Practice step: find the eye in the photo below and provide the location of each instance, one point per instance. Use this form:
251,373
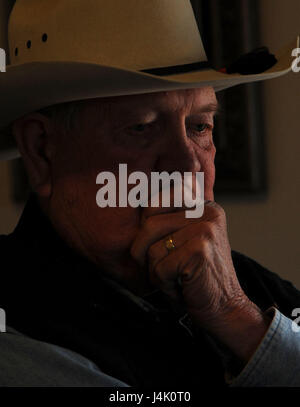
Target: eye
201,127
139,128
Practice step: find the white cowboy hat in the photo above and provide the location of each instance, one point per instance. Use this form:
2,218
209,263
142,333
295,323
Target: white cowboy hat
66,50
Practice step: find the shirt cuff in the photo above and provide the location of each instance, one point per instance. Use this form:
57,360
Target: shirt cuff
276,361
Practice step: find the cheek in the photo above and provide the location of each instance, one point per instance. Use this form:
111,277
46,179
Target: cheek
208,167
101,230
73,202
110,230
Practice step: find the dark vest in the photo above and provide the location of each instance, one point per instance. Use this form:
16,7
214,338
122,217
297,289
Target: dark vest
52,294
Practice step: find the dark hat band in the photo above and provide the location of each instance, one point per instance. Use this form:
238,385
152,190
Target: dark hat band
178,69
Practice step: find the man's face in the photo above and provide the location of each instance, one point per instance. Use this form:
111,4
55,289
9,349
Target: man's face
169,131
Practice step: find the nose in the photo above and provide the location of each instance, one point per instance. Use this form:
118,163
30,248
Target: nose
178,152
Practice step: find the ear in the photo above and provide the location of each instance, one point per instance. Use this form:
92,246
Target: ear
33,136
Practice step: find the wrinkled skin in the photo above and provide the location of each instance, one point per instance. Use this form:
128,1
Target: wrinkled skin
169,131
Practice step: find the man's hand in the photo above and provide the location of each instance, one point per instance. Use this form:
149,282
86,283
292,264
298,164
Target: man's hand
201,261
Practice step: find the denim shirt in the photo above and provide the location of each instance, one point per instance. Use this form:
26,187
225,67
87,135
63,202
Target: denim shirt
276,361
25,362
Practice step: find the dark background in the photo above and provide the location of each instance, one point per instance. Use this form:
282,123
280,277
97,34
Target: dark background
229,29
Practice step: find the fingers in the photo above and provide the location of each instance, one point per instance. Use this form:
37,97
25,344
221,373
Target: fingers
160,209
184,262
158,227
154,229
158,250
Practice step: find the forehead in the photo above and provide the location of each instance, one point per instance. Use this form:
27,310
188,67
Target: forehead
191,99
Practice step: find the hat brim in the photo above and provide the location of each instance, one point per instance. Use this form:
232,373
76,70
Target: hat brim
29,87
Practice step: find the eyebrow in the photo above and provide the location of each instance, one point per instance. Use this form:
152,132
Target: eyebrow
213,107
210,108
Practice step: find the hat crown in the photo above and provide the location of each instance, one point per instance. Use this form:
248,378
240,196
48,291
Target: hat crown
132,34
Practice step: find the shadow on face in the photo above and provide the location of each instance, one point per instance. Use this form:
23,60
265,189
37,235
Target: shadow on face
168,131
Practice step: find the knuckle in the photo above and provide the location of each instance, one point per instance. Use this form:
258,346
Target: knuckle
197,247
187,272
207,231
201,246
195,256
210,231
219,209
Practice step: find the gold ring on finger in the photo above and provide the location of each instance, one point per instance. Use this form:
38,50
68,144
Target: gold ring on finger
169,243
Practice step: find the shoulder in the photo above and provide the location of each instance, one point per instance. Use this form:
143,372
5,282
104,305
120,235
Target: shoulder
25,362
264,287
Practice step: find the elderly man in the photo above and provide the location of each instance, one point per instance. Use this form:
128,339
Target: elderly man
124,295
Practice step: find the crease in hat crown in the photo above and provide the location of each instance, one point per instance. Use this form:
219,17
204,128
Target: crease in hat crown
132,34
